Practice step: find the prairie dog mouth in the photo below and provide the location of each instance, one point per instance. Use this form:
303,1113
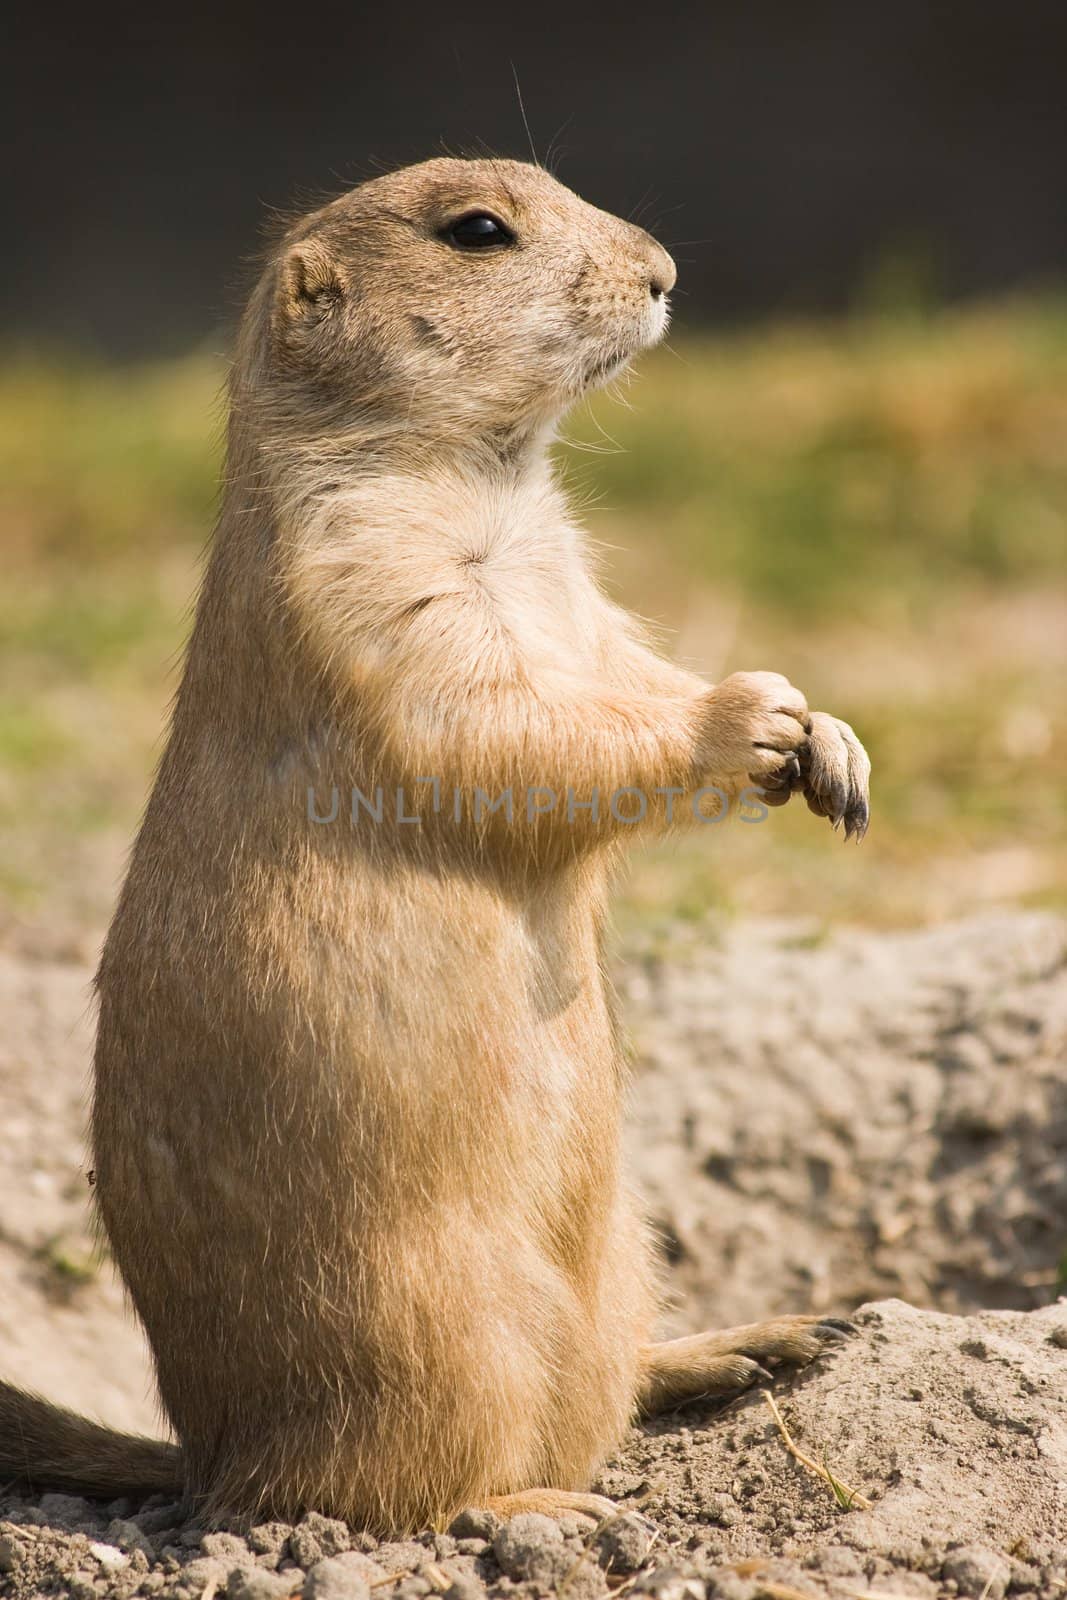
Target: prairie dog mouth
604,368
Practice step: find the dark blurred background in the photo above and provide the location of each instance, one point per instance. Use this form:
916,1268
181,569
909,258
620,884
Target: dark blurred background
797,157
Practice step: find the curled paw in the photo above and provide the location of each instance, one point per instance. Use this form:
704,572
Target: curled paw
835,774
755,732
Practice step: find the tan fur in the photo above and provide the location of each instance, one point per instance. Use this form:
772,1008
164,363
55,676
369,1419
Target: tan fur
357,1095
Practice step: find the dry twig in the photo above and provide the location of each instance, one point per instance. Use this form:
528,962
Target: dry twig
848,1499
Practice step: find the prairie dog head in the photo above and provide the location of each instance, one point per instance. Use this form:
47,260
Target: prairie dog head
459,300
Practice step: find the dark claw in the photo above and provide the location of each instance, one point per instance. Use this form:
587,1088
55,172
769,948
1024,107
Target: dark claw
857,818
832,803
836,1327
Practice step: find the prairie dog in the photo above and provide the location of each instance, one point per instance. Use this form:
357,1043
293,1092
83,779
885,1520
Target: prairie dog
357,1089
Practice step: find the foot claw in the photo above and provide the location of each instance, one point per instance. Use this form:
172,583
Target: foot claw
840,1325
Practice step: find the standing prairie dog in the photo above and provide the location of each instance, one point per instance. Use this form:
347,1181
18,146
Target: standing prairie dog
357,1088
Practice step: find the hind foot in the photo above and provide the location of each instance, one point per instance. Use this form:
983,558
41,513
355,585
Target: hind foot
551,1503
727,1363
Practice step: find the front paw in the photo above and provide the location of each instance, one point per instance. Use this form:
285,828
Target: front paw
836,775
755,732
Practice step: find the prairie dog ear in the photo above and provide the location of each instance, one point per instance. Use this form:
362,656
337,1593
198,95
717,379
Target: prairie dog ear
311,282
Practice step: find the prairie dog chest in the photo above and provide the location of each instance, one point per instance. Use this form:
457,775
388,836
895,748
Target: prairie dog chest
525,561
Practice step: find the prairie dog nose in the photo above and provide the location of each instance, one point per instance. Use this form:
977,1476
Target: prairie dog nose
662,273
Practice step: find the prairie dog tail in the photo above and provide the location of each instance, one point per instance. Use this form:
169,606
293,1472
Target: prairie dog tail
43,1446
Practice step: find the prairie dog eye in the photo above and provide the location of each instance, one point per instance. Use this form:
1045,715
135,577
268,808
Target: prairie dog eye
477,231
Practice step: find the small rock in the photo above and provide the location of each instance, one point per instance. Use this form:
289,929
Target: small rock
108,1555
977,1571
531,1547
722,1509
316,1537
128,1536
837,1562
668,1583
400,1555
203,1573
10,1553
625,1542
226,1547
465,1587
471,1547
336,1578
475,1524
66,1510
255,1583
155,1519
727,1585
372,1572
268,1537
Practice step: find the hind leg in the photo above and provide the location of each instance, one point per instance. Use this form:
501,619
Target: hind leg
727,1363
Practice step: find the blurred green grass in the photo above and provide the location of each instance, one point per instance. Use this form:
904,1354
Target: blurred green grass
876,507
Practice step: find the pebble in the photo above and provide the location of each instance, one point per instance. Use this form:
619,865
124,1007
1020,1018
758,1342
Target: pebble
402,1555
10,1553
625,1542
203,1573
669,1583
977,1571
268,1537
316,1537
128,1536
65,1510
108,1555
726,1585
475,1524
465,1587
226,1547
336,1578
722,1509
413,1588
256,1583
531,1547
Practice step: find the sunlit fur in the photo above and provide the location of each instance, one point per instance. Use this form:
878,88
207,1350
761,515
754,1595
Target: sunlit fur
357,1102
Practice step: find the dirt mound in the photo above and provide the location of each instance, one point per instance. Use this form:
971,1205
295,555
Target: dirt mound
946,1438
954,1430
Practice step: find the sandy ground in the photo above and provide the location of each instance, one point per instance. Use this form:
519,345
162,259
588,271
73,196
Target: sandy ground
816,1123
